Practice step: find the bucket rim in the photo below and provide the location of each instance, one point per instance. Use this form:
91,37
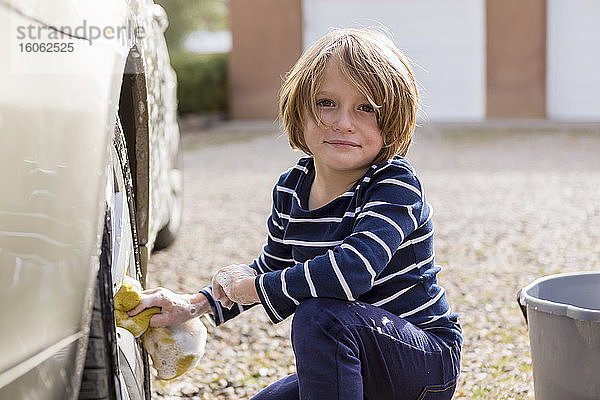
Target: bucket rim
562,309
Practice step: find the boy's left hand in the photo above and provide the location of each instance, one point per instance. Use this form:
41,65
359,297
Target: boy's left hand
235,284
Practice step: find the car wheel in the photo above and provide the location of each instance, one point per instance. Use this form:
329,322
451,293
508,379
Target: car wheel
116,365
166,236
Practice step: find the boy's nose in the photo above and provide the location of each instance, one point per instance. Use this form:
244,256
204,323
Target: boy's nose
343,122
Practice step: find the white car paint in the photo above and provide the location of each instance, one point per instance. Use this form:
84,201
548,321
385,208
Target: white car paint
57,119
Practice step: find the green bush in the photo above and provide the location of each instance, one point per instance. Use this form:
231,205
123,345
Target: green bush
202,82
187,16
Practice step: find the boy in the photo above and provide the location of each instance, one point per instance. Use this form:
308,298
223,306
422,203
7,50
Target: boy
350,245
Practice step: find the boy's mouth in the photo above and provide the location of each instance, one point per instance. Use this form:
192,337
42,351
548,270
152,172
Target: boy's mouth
342,143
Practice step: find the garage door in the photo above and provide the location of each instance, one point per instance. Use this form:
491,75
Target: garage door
573,60
444,39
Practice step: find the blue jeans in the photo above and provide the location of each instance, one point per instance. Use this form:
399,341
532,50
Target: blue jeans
353,350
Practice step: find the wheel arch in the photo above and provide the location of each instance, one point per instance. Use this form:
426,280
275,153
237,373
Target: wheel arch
134,116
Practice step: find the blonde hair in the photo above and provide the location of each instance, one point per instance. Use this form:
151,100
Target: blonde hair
371,61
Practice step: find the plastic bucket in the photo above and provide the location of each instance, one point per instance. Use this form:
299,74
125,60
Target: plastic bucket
563,314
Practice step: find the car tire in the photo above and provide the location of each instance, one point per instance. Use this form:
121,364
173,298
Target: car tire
100,371
166,236
107,374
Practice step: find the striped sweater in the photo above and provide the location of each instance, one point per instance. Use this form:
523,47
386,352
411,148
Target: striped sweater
373,243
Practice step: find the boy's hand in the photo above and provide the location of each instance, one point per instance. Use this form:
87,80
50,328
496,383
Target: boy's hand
235,284
175,308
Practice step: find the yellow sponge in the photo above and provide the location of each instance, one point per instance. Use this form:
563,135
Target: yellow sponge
174,349
127,298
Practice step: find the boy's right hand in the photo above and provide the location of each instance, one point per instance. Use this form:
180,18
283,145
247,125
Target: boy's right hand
235,284
175,308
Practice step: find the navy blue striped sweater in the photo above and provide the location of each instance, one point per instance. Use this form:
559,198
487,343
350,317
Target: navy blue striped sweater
373,243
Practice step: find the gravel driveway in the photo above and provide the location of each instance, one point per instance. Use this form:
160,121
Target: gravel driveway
510,205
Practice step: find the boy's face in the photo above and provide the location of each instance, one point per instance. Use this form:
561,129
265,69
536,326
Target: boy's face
352,139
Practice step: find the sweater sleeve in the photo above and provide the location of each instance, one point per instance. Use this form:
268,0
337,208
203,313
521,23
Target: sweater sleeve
391,209
219,313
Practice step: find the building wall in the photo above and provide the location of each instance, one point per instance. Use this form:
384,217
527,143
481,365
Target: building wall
516,58
266,42
444,39
574,60
474,59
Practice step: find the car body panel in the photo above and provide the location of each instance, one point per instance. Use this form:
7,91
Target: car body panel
49,216
57,118
50,376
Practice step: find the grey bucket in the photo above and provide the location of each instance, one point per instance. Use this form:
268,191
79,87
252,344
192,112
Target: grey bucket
563,314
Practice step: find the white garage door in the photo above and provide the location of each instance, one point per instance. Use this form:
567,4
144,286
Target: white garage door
445,39
574,60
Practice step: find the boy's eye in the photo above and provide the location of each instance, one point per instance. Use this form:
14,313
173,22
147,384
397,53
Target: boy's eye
366,108
325,103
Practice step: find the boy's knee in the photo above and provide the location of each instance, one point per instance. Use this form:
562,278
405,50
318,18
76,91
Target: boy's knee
319,325
313,320
319,314
314,309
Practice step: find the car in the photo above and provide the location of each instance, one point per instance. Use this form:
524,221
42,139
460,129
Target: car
91,174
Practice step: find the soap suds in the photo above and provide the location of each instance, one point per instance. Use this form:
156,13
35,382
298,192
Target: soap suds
175,349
